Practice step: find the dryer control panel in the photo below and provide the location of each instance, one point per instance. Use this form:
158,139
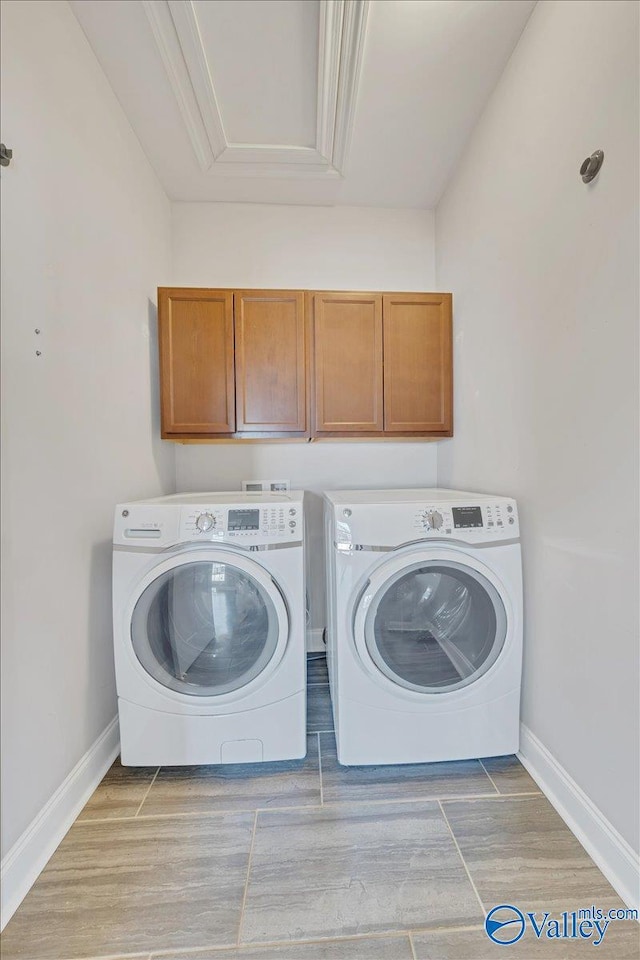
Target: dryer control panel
391,523
493,518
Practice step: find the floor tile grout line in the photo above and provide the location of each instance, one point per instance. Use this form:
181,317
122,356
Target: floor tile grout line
232,811
460,928
320,770
489,775
411,947
115,956
268,944
146,793
246,884
464,862
528,795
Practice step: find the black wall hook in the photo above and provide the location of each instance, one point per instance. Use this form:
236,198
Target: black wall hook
591,166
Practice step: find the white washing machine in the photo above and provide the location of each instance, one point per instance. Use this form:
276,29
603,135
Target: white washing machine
424,632
209,628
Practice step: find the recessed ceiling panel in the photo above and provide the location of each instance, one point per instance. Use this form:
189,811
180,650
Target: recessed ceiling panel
218,96
262,56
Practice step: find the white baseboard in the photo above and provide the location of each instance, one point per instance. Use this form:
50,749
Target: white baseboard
315,643
607,848
28,856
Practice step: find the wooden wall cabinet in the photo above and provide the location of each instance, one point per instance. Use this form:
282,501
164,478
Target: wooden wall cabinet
196,362
382,364
418,371
271,362
348,387
240,364
233,364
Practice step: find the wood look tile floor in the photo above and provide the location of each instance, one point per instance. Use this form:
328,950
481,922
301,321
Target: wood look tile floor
308,860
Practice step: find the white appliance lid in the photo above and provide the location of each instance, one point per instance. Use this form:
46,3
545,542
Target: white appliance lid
416,495
229,497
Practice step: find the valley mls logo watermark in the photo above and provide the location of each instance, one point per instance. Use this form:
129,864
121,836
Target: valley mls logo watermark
506,924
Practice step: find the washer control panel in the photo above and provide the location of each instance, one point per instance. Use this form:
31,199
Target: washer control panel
246,525
248,520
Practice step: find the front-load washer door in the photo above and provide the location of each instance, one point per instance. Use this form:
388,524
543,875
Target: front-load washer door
431,626
207,627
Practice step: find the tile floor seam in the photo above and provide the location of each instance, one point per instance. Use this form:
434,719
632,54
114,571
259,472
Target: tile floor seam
461,928
444,798
417,799
497,799
320,770
464,862
270,944
113,956
187,952
246,883
146,793
412,947
495,786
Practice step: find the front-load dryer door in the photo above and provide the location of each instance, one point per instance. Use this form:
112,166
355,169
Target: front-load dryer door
206,627
430,626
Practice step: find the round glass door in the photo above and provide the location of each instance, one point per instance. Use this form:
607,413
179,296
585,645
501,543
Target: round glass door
204,628
435,627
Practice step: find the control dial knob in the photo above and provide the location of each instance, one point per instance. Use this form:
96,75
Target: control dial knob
434,520
205,522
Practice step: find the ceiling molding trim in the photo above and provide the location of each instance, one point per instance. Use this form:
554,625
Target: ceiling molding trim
354,29
189,37
342,29
329,43
270,153
164,34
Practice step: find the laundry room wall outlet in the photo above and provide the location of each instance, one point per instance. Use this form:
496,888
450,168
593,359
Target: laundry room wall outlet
266,486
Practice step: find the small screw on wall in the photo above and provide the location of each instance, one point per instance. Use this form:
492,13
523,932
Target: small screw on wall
591,166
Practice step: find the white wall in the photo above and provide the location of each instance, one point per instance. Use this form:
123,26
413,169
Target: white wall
545,275
85,241
343,248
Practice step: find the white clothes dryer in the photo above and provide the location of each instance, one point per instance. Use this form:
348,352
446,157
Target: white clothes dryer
424,625
209,628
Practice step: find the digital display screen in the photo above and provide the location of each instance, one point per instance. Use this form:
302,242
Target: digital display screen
467,517
244,519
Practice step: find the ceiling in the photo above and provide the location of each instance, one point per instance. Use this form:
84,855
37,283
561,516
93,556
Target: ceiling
303,101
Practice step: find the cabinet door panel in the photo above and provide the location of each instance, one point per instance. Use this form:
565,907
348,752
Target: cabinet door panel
196,361
270,361
348,362
417,363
